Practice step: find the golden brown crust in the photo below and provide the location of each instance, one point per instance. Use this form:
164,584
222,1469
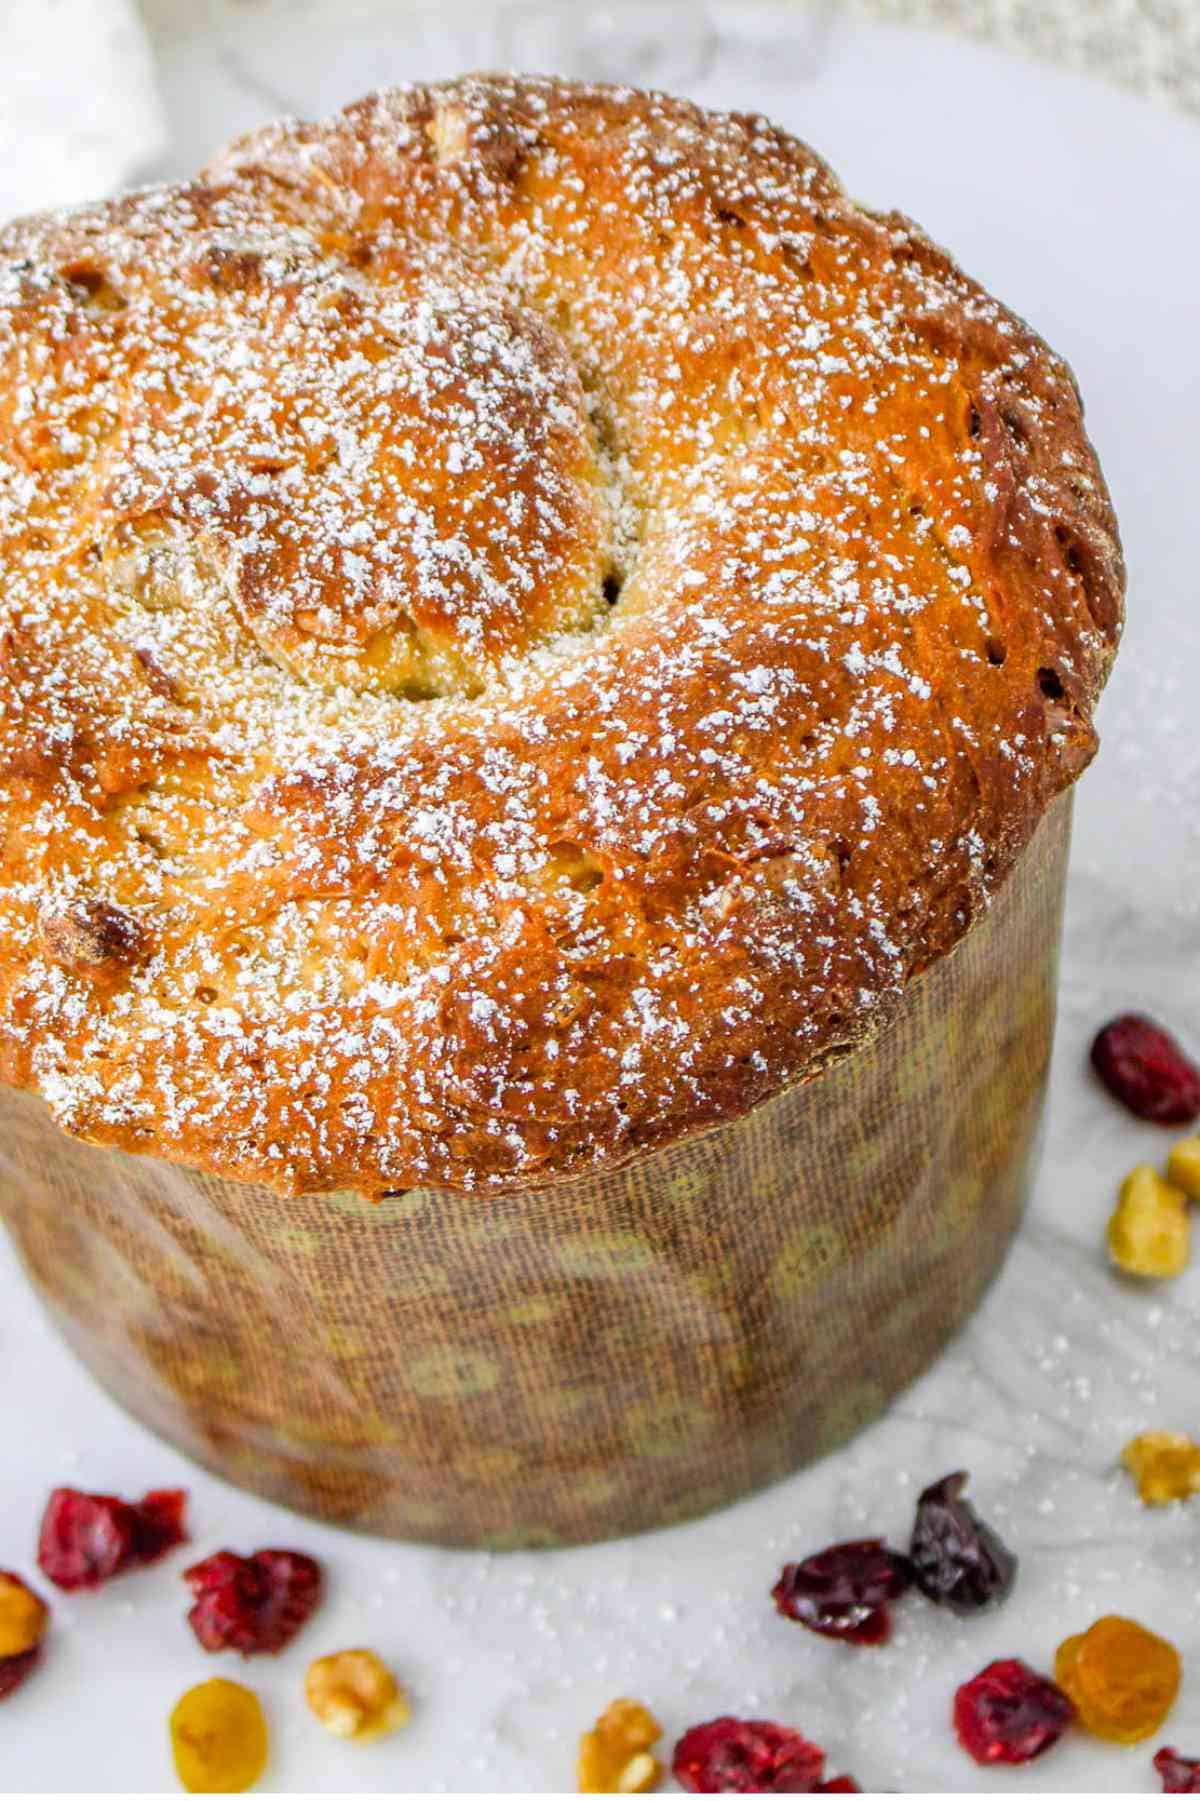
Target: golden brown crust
528,617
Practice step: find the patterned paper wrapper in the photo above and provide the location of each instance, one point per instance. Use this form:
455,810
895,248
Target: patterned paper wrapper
573,1362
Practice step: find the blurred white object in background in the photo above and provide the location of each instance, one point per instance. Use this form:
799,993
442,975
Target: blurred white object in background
1152,46
80,113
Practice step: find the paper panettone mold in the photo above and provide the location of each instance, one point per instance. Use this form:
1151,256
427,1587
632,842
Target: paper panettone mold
633,1348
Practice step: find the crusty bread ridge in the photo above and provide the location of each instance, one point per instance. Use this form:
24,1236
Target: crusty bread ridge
527,619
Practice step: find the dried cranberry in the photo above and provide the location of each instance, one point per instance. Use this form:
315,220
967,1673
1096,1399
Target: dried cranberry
746,1757
1142,1065
957,1560
159,1524
252,1604
1009,1714
839,1785
85,1540
13,1670
843,1592
1180,1775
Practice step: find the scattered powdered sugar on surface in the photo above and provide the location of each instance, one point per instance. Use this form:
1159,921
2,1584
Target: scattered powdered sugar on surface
527,617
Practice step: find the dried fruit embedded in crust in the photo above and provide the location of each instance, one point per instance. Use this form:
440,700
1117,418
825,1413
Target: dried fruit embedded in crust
957,1560
85,1540
1147,1070
1165,1466
1009,1714
219,1738
355,1696
844,1592
616,1756
499,485
746,1757
1121,1678
92,936
252,1604
1149,1234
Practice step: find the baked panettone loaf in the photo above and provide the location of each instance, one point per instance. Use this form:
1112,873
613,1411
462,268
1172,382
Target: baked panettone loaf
528,619
543,653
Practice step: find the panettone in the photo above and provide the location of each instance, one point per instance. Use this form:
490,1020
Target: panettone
532,628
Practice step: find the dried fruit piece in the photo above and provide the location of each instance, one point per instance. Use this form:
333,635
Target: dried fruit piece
1149,1234
840,1785
1122,1679
615,1757
1142,1065
1165,1466
23,1616
219,1738
86,1540
747,1757
1180,1775
1183,1167
92,934
355,1695
159,1523
13,1670
1009,1714
844,1592
956,1558
23,1620
252,1604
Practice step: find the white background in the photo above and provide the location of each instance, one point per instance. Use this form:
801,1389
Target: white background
1078,205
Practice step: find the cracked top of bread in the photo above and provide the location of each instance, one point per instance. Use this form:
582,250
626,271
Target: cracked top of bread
528,617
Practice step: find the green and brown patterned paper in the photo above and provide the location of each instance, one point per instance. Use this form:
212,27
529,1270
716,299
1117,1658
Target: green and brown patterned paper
593,1358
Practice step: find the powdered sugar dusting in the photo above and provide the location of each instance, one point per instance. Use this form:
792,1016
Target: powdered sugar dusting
540,613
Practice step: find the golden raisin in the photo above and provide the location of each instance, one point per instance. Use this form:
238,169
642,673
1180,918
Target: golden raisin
23,1616
354,1694
219,1738
1149,1234
1183,1167
1121,1678
1165,1466
615,1757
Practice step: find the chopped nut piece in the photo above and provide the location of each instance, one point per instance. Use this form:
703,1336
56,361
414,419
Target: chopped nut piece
1165,1466
1149,1234
639,1775
1183,1167
615,1756
355,1695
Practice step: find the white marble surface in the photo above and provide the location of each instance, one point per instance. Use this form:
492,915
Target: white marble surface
1077,205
